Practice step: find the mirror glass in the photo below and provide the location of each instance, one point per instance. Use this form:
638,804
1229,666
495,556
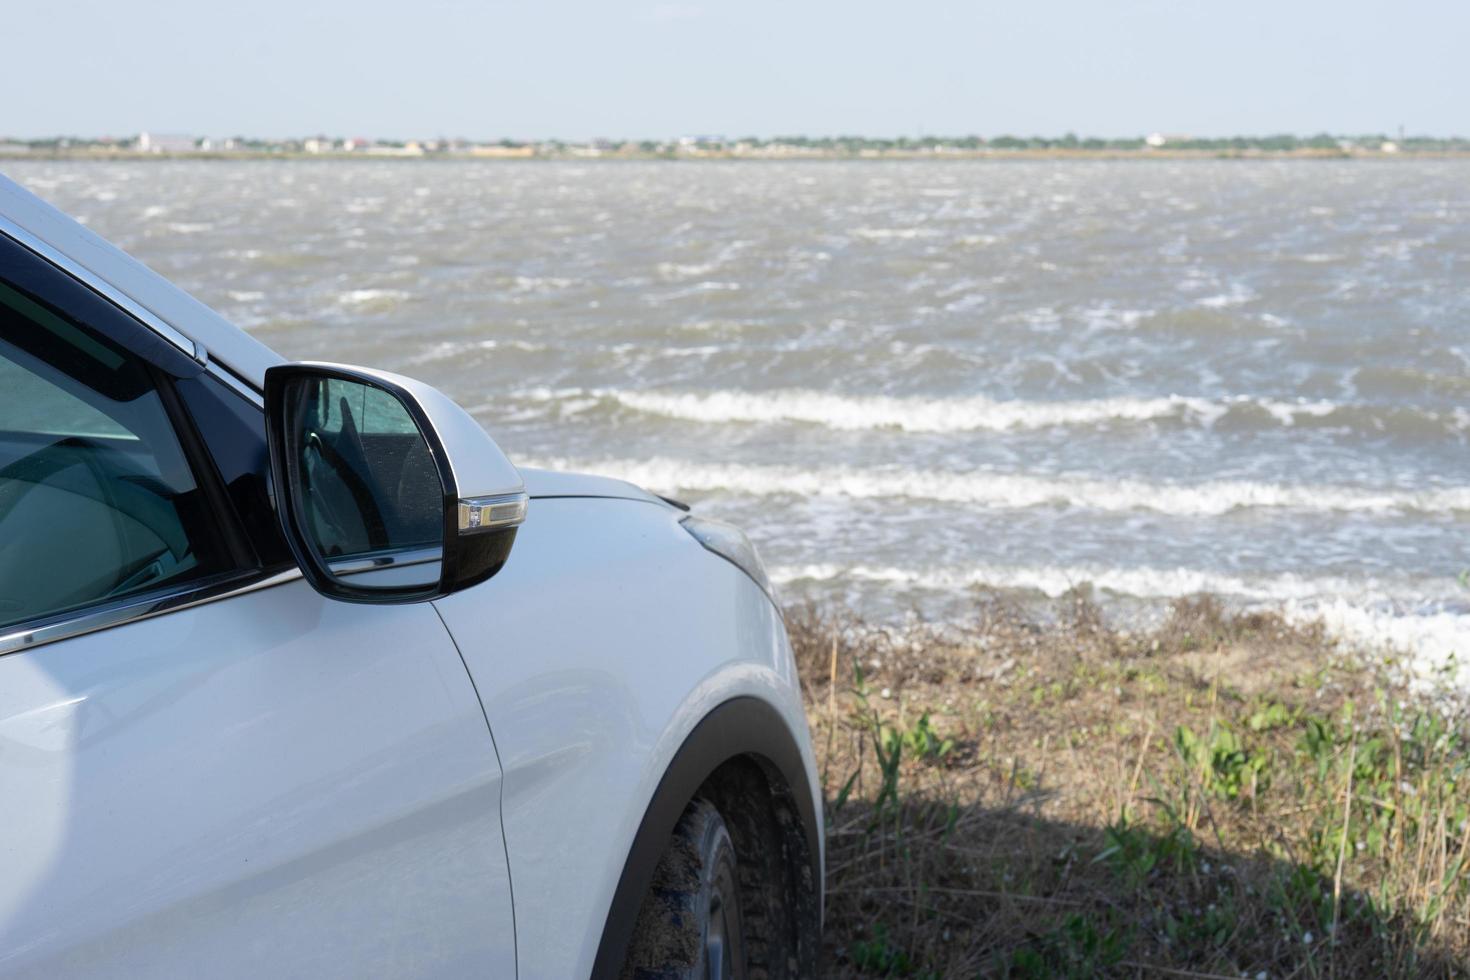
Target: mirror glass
366,487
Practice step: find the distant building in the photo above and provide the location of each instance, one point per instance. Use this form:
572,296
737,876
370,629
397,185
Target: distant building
165,143
1157,140
410,149
1388,146
317,144
501,152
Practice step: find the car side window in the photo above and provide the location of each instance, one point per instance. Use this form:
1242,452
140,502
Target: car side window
97,499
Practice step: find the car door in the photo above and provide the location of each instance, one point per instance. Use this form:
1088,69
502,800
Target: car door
206,768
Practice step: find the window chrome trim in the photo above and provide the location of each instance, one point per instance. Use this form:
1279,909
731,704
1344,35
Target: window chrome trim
235,383
131,610
99,285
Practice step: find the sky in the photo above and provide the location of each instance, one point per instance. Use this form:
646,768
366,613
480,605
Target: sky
577,69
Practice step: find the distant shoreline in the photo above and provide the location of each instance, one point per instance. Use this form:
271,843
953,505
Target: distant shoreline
116,156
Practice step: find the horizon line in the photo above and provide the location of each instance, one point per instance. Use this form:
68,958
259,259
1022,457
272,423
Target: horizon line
1174,135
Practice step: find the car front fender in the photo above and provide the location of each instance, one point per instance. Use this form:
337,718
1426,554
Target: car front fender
599,652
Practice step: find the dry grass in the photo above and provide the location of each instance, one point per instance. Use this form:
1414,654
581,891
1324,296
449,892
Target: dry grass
1224,796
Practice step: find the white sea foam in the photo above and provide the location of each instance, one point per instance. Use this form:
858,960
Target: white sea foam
1017,490
1435,644
921,414
449,349
1138,582
541,284
1234,296
681,270
907,414
887,234
1422,622
371,297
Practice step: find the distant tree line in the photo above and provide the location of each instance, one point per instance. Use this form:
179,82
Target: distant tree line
835,145
1279,142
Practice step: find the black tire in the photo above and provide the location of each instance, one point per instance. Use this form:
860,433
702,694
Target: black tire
689,926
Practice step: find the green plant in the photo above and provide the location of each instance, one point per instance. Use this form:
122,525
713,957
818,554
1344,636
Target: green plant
924,744
879,956
1133,853
1272,715
1078,948
887,744
1226,768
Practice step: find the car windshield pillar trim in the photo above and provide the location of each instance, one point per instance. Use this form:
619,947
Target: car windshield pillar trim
235,383
101,286
132,609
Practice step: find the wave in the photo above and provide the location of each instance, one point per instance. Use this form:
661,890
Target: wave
1429,622
1139,582
1016,490
373,298
980,413
889,234
907,414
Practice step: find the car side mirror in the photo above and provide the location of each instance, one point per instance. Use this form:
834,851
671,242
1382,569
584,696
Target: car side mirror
386,490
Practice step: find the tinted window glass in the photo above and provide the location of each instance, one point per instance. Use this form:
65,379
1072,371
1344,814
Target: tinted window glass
234,431
97,500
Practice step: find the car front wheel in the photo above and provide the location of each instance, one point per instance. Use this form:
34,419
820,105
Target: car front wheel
689,926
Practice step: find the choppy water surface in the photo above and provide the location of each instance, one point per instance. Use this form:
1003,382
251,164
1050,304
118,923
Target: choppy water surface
906,379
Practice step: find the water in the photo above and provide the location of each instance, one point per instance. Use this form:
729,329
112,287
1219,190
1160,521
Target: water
906,379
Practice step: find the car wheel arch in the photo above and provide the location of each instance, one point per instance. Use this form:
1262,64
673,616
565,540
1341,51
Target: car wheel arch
741,758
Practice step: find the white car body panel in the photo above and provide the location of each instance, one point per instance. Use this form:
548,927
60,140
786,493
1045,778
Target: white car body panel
554,483
271,785
594,594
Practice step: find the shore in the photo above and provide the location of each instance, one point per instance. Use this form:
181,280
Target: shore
1223,795
1163,153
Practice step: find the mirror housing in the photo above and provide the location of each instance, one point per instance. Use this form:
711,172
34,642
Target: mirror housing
403,498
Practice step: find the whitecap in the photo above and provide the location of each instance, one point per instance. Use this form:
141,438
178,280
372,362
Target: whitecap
970,413
1019,490
372,297
681,270
541,284
1234,296
902,234
910,414
1141,582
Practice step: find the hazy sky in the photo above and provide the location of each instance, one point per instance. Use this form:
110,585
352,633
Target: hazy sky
584,68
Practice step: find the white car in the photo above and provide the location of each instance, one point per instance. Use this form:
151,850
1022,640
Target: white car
279,698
